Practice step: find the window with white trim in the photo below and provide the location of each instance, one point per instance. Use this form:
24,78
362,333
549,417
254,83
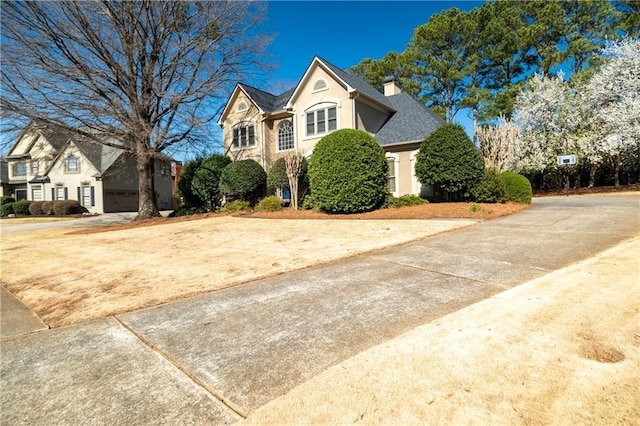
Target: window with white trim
285,136
242,106
321,121
71,164
320,85
35,166
36,193
20,169
244,136
60,193
392,163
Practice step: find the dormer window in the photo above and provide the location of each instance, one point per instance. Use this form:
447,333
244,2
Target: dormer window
320,85
71,164
242,106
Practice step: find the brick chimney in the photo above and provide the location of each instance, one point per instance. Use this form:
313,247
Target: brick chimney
391,86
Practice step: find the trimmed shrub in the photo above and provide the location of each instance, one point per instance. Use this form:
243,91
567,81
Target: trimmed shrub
490,189
47,207
243,180
66,207
236,206
450,161
36,208
270,204
22,207
187,211
184,183
517,188
6,209
6,199
277,176
348,172
405,200
206,180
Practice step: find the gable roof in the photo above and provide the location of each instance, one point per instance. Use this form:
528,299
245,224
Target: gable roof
352,82
357,83
412,122
266,101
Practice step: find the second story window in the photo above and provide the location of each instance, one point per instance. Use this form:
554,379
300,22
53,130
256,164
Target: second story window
244,136
35,166
71,164
285,136
321,121
20,169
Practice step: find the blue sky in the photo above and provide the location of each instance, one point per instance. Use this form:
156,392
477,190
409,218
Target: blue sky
343,33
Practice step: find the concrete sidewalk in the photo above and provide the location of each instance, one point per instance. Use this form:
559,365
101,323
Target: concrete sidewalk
218,357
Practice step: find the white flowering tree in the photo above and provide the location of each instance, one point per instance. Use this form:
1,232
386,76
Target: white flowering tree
544,114
610,102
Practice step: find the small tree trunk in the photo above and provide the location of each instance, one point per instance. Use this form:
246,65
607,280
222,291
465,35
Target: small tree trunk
592,174
146,191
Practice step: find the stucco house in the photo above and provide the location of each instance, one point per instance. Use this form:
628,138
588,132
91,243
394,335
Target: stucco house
50,162
262,126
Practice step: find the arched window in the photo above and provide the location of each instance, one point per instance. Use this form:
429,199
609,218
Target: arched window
72,163
242,106
319,85
285,136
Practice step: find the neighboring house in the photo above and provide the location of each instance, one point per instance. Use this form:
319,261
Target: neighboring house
262,126
50,162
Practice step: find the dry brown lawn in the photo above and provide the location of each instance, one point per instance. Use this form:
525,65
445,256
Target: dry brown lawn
563,349
68,277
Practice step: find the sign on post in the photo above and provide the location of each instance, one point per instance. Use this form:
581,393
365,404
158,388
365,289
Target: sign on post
566,160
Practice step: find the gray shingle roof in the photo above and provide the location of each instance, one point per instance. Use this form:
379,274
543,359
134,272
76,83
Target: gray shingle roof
265,100
411,122
359,84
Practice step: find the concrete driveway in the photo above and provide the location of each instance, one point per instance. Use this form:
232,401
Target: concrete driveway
214,358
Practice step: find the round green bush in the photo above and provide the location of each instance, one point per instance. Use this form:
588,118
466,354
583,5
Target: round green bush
236,206
66,207
405,201
244,180
270,204
22,207
206,179
490,189
184,183
517,188
450,161
277,176
6,209
348,172
6,199
36,208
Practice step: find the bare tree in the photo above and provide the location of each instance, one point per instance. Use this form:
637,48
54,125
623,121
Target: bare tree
293,161
497,142
149,75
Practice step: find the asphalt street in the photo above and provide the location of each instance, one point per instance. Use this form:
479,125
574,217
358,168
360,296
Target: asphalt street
217,357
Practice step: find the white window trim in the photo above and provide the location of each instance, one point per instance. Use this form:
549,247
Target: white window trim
255,135
325,105
396,172
293,135
322,89
242,106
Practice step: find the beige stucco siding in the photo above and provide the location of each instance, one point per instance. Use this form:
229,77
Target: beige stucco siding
307,100
234,118
369,118
404,158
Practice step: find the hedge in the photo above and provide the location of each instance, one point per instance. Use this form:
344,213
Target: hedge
36,208
348,172
270,204
490,189
244,180
66,207
517,188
